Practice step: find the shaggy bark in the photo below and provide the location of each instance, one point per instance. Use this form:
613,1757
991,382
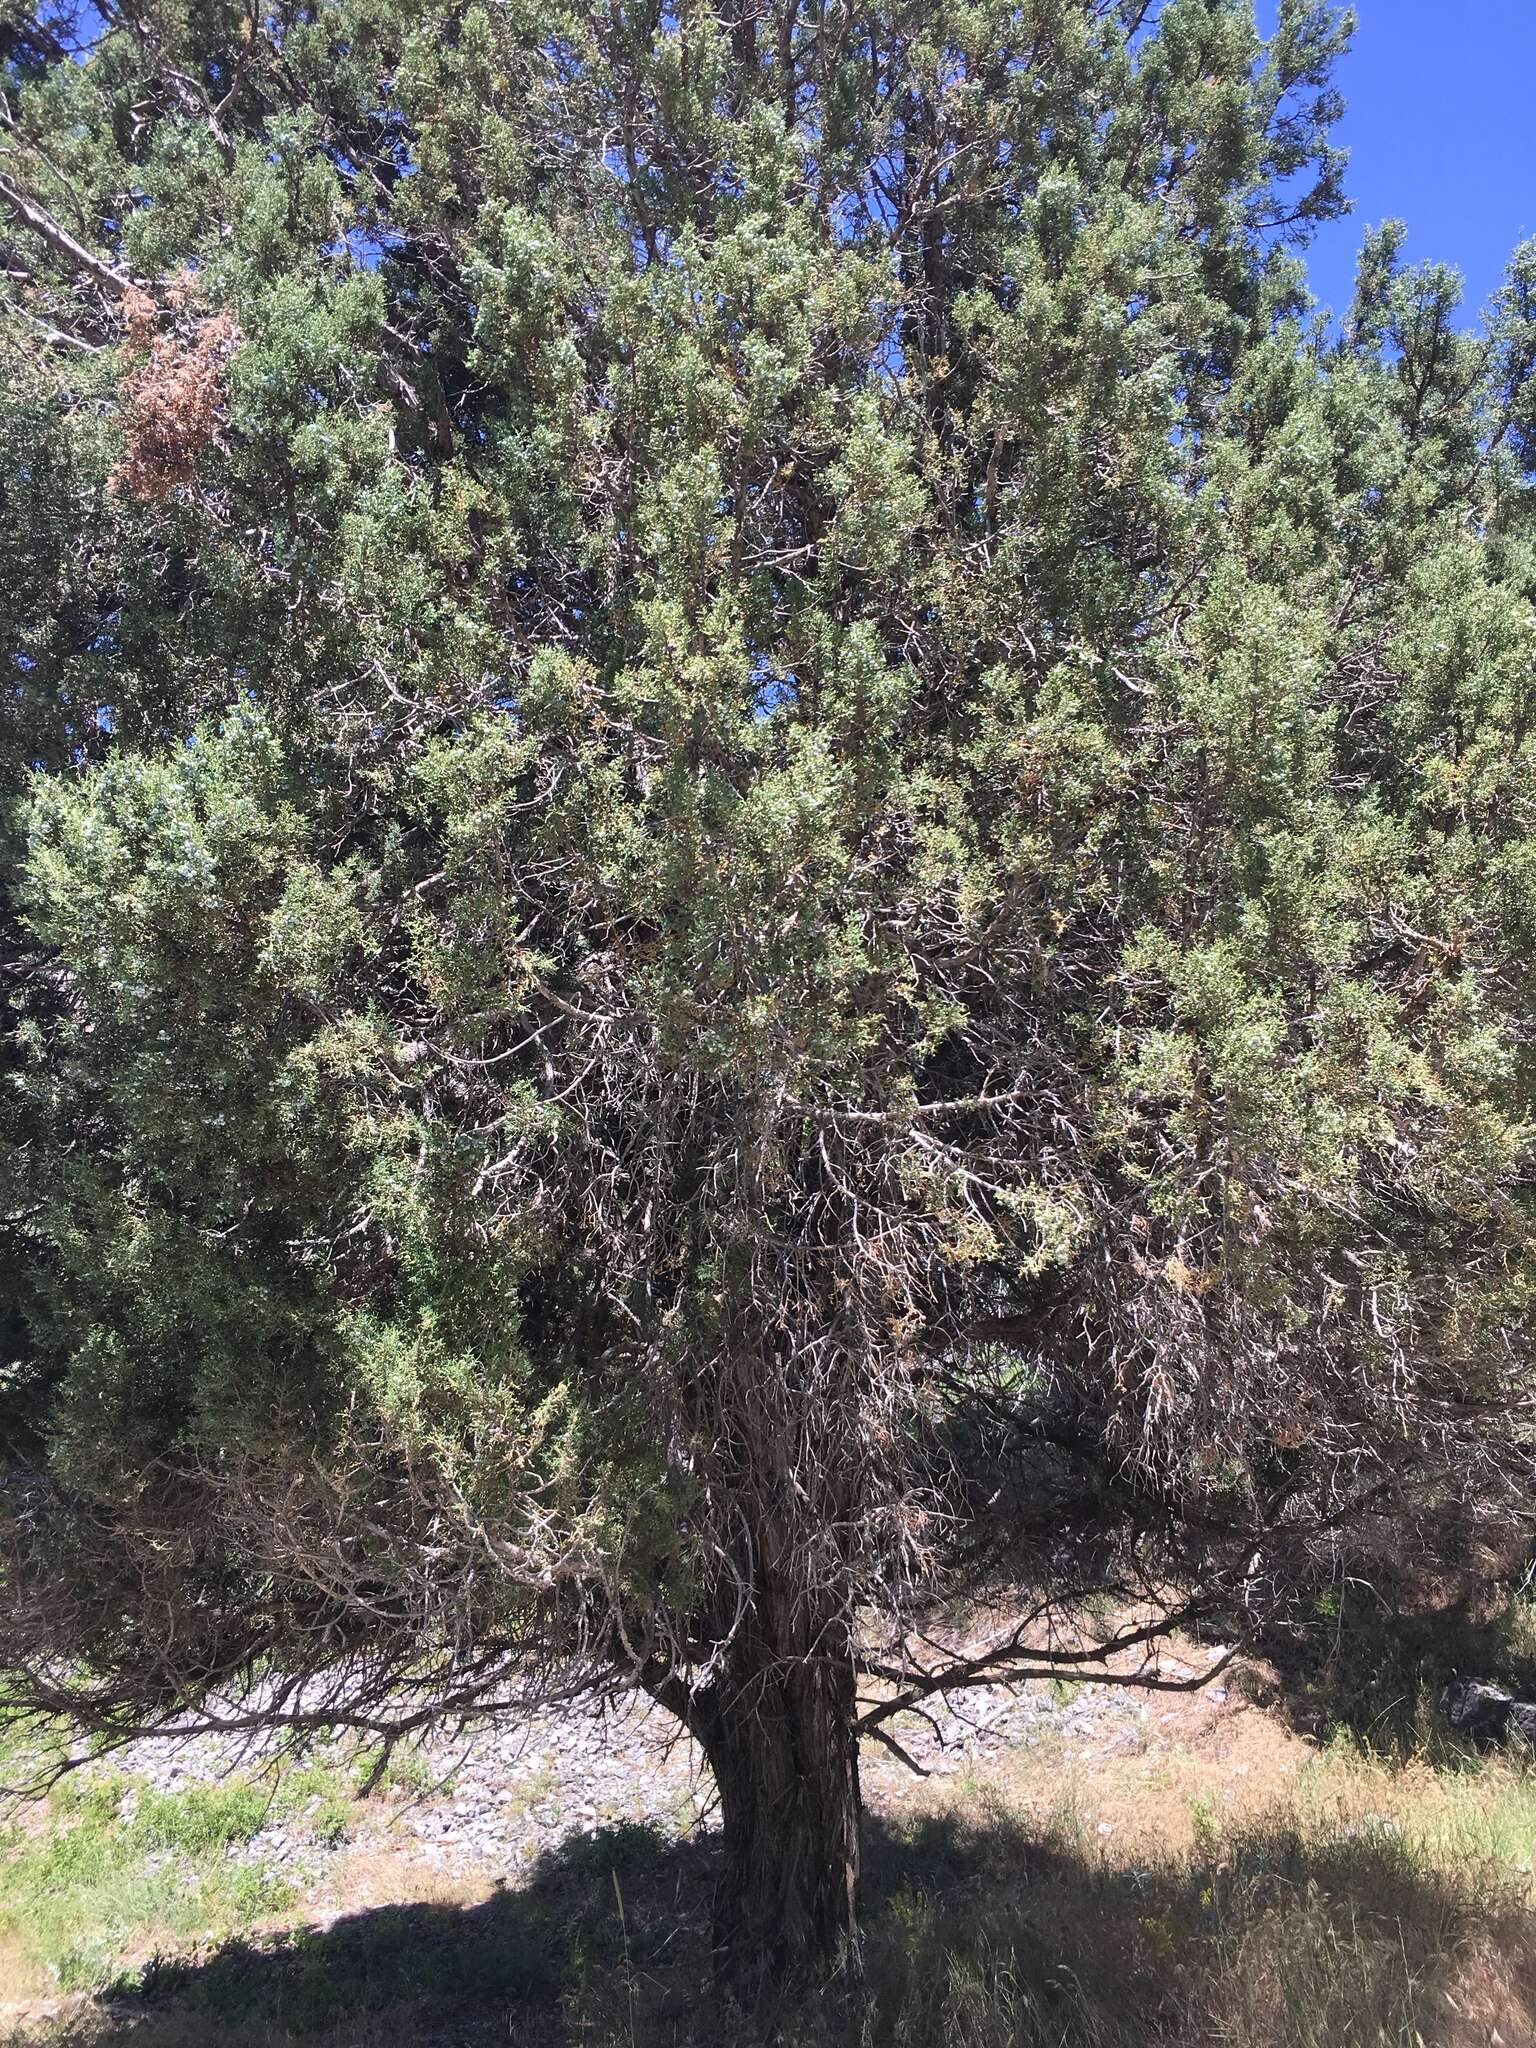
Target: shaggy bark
779,878
778,1731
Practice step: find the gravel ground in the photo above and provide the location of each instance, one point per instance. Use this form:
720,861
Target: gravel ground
503,1793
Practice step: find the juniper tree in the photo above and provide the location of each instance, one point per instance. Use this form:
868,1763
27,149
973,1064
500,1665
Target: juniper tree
770,860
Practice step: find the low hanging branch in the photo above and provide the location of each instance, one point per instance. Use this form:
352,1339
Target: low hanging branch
835,930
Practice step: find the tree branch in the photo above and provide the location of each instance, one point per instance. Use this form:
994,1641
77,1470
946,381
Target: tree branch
1013,1662
31,214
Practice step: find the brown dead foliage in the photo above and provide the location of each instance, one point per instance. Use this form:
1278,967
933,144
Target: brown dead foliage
173,398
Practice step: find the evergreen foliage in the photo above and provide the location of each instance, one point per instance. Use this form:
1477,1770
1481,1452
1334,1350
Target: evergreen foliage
769,854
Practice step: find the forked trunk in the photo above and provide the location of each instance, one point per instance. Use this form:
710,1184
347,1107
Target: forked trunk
779,1739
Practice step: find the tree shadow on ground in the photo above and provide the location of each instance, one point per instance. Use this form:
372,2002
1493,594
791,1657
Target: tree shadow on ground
980,1930
1377,1670
1371,1653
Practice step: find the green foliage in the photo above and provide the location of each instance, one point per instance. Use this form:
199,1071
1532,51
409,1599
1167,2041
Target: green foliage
710,717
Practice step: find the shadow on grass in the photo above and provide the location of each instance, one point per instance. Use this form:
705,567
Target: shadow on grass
1375,1672
979,1931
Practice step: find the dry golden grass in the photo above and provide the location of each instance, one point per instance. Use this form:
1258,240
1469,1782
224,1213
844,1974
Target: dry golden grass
1213,1880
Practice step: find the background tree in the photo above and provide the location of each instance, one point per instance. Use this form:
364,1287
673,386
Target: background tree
774,860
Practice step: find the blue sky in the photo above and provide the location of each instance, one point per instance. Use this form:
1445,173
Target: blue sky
1441,130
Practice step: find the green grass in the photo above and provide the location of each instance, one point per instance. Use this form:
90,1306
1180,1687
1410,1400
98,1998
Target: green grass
407,1770
523,1794
1374,1674
1378,1906
1311,1924
95,1882
1383,1899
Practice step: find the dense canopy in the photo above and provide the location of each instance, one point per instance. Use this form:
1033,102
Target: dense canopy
768,853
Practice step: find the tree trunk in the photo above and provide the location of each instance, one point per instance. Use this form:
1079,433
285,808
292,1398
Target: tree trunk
778,1733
